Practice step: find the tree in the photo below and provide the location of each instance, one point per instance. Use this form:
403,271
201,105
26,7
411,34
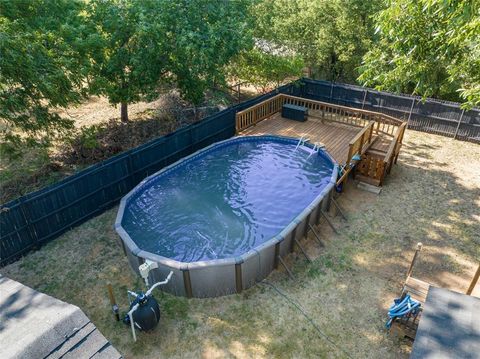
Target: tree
43,62
427,47
265,69
132,57
204,37
146,43
330,35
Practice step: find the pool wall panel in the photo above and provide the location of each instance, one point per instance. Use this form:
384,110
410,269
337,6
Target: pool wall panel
213,281
250,269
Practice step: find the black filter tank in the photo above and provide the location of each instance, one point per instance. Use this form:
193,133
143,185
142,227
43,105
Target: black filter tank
147,315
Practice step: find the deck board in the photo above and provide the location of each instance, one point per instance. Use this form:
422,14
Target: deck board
336,137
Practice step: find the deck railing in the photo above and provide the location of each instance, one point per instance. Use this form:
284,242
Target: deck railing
253,115
394,148
376,166
357,146
372,123
385,124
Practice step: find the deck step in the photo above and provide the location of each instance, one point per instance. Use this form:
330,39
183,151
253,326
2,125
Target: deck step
418,289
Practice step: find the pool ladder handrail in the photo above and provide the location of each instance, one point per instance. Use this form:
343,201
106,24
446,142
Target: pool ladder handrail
302,141
316,147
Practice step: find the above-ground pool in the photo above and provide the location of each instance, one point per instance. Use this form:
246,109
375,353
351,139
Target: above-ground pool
220,218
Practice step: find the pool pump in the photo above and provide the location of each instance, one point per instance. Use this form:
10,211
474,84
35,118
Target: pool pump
144,311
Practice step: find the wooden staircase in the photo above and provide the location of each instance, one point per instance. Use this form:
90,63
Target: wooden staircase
378,159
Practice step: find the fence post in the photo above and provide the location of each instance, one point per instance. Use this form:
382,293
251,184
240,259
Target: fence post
458,126
131,172
410,113
331,92
364,98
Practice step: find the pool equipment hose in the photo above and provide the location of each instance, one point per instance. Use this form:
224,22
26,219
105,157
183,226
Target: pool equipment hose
144,310
402,307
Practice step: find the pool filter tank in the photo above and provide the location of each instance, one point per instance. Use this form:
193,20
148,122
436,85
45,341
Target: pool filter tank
147,314
144,311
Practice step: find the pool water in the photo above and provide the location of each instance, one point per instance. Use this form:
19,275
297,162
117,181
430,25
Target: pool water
226,201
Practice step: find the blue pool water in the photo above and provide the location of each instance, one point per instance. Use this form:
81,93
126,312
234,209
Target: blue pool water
226,200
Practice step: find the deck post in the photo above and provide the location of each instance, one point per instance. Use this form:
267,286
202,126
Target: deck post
414,259
458,125
474,281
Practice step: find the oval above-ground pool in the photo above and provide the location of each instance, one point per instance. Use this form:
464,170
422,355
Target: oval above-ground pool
220,217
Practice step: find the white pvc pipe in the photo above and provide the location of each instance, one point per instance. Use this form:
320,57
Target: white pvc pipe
159,284
132,324
135,307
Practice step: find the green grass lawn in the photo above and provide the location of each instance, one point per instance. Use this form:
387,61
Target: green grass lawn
432,196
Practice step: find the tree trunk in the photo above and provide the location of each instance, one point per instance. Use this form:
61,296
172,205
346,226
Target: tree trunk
124,112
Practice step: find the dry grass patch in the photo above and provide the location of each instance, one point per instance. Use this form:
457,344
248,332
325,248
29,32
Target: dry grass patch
433,196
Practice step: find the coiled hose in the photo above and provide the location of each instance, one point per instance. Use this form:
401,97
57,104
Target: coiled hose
402,307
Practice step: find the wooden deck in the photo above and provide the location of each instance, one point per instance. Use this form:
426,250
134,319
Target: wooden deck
364,141
335,136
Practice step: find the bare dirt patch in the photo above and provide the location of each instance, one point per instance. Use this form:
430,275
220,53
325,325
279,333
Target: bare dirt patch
433,196
99,135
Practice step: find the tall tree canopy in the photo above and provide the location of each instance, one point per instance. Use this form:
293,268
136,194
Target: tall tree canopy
145,43
427,47
43,64
330,35
265,69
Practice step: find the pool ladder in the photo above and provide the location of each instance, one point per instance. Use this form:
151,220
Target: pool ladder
316,146
302,141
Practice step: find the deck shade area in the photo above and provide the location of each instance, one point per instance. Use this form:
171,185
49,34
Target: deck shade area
449,326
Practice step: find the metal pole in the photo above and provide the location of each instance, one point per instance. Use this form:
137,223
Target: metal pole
302,250
329,222
364,98
337,206
458,126
410,114
290,274
316,235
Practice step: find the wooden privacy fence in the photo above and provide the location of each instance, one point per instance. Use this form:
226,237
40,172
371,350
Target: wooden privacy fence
428,115
36,218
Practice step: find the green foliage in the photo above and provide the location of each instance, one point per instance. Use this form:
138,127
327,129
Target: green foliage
204,36
330,35
145,43
130,57
265,70
43,63
427,47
